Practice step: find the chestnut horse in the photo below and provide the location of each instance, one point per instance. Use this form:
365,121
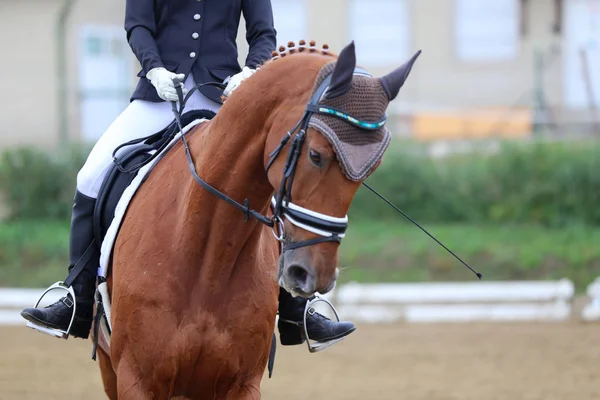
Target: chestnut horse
194,282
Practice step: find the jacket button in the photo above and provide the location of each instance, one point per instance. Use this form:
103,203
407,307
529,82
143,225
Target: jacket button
195,35
197,17
192,54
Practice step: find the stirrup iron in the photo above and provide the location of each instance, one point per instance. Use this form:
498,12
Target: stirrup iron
59,333
310,310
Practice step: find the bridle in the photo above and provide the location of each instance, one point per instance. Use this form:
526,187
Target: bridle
326,227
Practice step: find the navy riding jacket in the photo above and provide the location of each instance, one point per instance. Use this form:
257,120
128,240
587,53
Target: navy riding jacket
197,36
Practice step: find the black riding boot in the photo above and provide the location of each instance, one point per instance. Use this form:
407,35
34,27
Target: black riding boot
319,327
84,252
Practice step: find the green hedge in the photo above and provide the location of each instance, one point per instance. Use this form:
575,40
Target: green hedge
40,184
555,184
552,184
35,253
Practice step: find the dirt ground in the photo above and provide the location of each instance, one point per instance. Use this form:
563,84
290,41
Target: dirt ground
556,361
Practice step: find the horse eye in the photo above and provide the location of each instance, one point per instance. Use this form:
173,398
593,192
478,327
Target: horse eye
315,157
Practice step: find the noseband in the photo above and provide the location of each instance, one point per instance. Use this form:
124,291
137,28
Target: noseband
328,228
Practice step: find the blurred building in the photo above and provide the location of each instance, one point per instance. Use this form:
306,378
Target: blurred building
62,81
488,67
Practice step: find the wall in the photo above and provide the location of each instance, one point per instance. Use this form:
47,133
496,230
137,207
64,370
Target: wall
27,72
440,82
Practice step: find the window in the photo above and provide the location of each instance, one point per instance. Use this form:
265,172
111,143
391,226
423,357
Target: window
94,46
581,53
105,77
380,30
487,30
290,20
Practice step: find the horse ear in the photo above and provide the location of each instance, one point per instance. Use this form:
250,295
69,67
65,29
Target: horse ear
393,81
341,80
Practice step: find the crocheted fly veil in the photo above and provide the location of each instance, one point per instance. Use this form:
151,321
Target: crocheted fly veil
352,112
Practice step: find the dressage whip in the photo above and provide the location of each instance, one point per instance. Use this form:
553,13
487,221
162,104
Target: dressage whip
479,275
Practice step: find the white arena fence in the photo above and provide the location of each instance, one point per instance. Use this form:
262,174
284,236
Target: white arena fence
410,302
12,301
591,312
456,302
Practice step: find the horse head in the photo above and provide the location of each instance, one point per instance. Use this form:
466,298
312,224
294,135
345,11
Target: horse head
319,165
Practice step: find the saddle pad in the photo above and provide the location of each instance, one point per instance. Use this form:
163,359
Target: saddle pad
113,230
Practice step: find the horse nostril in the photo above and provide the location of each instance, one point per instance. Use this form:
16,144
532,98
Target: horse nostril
298,273
301,276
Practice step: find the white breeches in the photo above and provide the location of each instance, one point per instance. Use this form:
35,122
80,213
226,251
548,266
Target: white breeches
141,118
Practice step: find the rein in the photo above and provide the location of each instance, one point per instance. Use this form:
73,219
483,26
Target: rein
328,228
245,208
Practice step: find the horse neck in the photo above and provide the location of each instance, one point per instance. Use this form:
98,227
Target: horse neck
233,147
229,155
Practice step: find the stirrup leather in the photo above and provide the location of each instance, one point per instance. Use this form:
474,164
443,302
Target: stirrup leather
59,333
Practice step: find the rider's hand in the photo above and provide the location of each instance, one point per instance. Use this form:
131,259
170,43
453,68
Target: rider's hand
162,80
236,80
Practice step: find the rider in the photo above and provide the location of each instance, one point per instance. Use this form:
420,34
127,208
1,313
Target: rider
195,42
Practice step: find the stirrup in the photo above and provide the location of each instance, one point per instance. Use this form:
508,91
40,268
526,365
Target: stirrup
59,333
310,310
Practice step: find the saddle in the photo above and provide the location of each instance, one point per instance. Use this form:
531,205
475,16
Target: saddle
126,166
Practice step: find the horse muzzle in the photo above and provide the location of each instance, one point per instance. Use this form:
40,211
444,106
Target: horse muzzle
299,276
298,279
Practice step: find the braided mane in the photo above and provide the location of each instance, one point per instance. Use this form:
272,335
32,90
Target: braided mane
302,47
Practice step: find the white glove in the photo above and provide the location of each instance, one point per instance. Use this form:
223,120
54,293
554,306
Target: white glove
162,80
236,80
